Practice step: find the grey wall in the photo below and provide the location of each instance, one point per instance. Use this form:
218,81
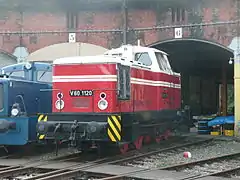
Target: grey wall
6,60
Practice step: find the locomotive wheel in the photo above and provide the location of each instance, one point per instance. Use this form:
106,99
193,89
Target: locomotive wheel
147,139
139,142
158,139
124,148
164,136
167,134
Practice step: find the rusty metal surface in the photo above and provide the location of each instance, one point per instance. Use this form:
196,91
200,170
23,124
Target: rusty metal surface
160,174
149,175
62,165
13,162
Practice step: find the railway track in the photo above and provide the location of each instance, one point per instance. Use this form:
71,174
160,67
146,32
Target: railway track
27,168
79,170
168,152
215,166
229,163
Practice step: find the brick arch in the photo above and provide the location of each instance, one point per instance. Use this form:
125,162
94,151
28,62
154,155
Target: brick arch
205,41
201,54
203,64
55,51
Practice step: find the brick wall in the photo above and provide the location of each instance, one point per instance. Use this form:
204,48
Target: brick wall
207,11
32,22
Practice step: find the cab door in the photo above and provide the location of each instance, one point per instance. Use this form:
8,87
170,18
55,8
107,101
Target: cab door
123,82
165,90
171,82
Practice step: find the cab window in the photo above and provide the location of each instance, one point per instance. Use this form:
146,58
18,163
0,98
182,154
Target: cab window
143,58
163,62
16,74
44,76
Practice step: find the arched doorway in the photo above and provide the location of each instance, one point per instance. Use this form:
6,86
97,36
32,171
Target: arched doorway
52,52
205,72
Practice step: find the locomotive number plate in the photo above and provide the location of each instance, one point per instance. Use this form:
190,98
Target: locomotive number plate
77,93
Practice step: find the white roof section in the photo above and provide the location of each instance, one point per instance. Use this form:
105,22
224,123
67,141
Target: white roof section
134,49
110,56
87,60
56,51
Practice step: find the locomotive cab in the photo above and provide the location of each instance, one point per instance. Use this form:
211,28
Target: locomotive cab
151,60
31,71
21,101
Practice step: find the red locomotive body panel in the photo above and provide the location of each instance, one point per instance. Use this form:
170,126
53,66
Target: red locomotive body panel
95,77
146,89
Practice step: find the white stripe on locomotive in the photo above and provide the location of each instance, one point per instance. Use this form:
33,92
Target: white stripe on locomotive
113,78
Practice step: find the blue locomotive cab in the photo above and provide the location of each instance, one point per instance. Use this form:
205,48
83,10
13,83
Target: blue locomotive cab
21,99
34,71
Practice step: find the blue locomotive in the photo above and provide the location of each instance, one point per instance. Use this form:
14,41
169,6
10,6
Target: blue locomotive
21,99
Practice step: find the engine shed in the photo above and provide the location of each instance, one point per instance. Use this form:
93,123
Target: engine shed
206,73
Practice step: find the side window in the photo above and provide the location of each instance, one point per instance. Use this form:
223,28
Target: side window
44,76
1,97
143,58
163,62
124,82
16,74
159,57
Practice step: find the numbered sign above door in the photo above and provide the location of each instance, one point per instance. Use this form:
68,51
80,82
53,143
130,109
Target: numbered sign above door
178,33
72,37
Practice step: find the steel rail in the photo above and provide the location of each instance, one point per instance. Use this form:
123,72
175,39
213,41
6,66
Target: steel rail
218,174
217,158
160,150
55,175
19,169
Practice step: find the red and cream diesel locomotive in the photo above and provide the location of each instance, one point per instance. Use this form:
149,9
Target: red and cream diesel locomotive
125,96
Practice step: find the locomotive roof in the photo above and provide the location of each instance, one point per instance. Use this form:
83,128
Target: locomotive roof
135,49
87,59
106,57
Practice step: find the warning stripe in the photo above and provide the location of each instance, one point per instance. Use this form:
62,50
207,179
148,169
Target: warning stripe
42,118
114,128
41,136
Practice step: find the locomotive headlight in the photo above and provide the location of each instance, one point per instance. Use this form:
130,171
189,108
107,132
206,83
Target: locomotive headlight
14,112
59,104
102,104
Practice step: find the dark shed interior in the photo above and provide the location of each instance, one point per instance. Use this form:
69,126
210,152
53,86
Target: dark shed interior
205,73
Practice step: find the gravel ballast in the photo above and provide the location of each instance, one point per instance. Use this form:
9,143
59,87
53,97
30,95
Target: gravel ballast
199,152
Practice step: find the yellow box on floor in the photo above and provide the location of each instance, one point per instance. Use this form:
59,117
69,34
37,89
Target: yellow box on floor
215,133
229,132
